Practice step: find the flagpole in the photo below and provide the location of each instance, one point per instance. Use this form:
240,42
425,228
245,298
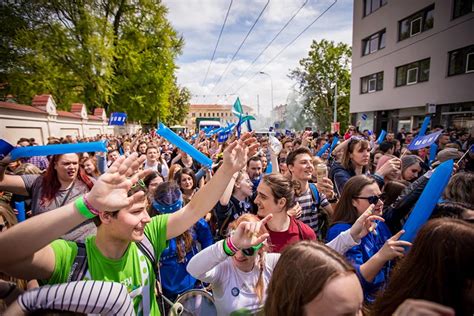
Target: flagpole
464,155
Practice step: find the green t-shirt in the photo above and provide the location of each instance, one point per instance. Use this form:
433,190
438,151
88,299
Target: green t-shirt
132,270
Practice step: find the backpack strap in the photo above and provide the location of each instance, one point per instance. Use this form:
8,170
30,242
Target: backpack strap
146,247
79,266
315,193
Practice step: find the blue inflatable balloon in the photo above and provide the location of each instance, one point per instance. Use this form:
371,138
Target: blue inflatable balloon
323,150
424,126
30,151
382,135
428,199
269,168
334,143
433,151
171,136
20,207
5,148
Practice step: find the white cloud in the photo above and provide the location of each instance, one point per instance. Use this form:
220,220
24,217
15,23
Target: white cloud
199,21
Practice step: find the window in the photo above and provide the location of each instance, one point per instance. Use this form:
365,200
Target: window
461,61
462,7
373,43
418,71
373,5
371,83
416,23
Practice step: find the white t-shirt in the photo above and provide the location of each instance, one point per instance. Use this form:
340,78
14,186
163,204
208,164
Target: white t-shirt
232,289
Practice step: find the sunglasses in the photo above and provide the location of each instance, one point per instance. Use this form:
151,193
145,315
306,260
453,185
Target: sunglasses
3,226
372,199
282,160
140,183
252,250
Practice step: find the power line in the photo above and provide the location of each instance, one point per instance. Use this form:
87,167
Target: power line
217,44
284,48
270,43
241,44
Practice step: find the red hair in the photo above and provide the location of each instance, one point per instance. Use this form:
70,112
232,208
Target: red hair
51,185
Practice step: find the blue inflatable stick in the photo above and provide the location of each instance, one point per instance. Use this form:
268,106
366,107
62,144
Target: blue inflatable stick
433,151
334,143
382,135
323,150
269,168
428,199
20,207
30,151
424,126
170,136
5,148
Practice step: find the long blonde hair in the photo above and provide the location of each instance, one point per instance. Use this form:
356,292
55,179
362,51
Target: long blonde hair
259,290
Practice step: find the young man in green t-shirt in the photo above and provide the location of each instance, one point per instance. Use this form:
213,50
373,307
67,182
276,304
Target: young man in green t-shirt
30,249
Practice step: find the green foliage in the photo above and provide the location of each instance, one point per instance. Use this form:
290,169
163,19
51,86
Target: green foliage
326,64
179,105
104,53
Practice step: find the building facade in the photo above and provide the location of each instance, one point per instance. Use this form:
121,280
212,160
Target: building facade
220,112
42,119
412,58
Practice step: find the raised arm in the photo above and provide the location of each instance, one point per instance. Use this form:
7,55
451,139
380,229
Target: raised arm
235,157
25,247
13,184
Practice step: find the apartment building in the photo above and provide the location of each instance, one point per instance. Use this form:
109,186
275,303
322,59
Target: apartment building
411,58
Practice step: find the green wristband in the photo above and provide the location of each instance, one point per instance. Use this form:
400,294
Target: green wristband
227,250
83,209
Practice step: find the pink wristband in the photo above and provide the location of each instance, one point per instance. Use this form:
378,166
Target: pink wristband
90,207
231,245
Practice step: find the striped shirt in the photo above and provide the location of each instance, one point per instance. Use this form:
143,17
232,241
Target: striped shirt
309,208
87,297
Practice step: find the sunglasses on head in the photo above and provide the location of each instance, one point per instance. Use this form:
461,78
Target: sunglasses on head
140,183
372,199
252,250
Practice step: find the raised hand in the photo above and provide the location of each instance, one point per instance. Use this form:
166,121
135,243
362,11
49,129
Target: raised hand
394,247
246,234
364,224
326,187
295,211
109,193
238,152
412,307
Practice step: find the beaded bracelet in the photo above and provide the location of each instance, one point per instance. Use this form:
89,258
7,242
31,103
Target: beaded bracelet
90,207
83,209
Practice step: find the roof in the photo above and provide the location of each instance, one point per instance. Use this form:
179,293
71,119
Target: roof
76,107
40,100
68,114
20,107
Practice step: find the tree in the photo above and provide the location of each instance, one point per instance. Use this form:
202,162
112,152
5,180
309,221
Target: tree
179,105
116,54
326,64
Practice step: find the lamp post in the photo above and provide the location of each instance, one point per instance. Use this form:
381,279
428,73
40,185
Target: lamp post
271,83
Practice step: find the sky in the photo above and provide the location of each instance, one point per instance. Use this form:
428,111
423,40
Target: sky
199,22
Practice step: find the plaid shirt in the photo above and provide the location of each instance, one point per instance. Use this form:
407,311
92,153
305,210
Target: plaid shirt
39,161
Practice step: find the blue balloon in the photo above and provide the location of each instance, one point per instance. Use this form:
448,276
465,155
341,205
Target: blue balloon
323,150
171,136
269,168
20,207
30,151
382,135
433,152
428,199
334,143
5,147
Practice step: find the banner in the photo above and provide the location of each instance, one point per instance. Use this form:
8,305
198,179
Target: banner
424,141
117,118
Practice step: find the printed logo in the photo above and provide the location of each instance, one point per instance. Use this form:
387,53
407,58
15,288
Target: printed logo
235,291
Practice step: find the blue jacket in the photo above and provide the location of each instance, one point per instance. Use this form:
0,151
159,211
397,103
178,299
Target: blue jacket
339,176
360,254
174,277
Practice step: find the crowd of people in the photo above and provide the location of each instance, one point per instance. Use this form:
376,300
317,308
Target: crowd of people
274,227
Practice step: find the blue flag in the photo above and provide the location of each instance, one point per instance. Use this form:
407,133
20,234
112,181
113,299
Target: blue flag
239,126
423,141
424,126
117,118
